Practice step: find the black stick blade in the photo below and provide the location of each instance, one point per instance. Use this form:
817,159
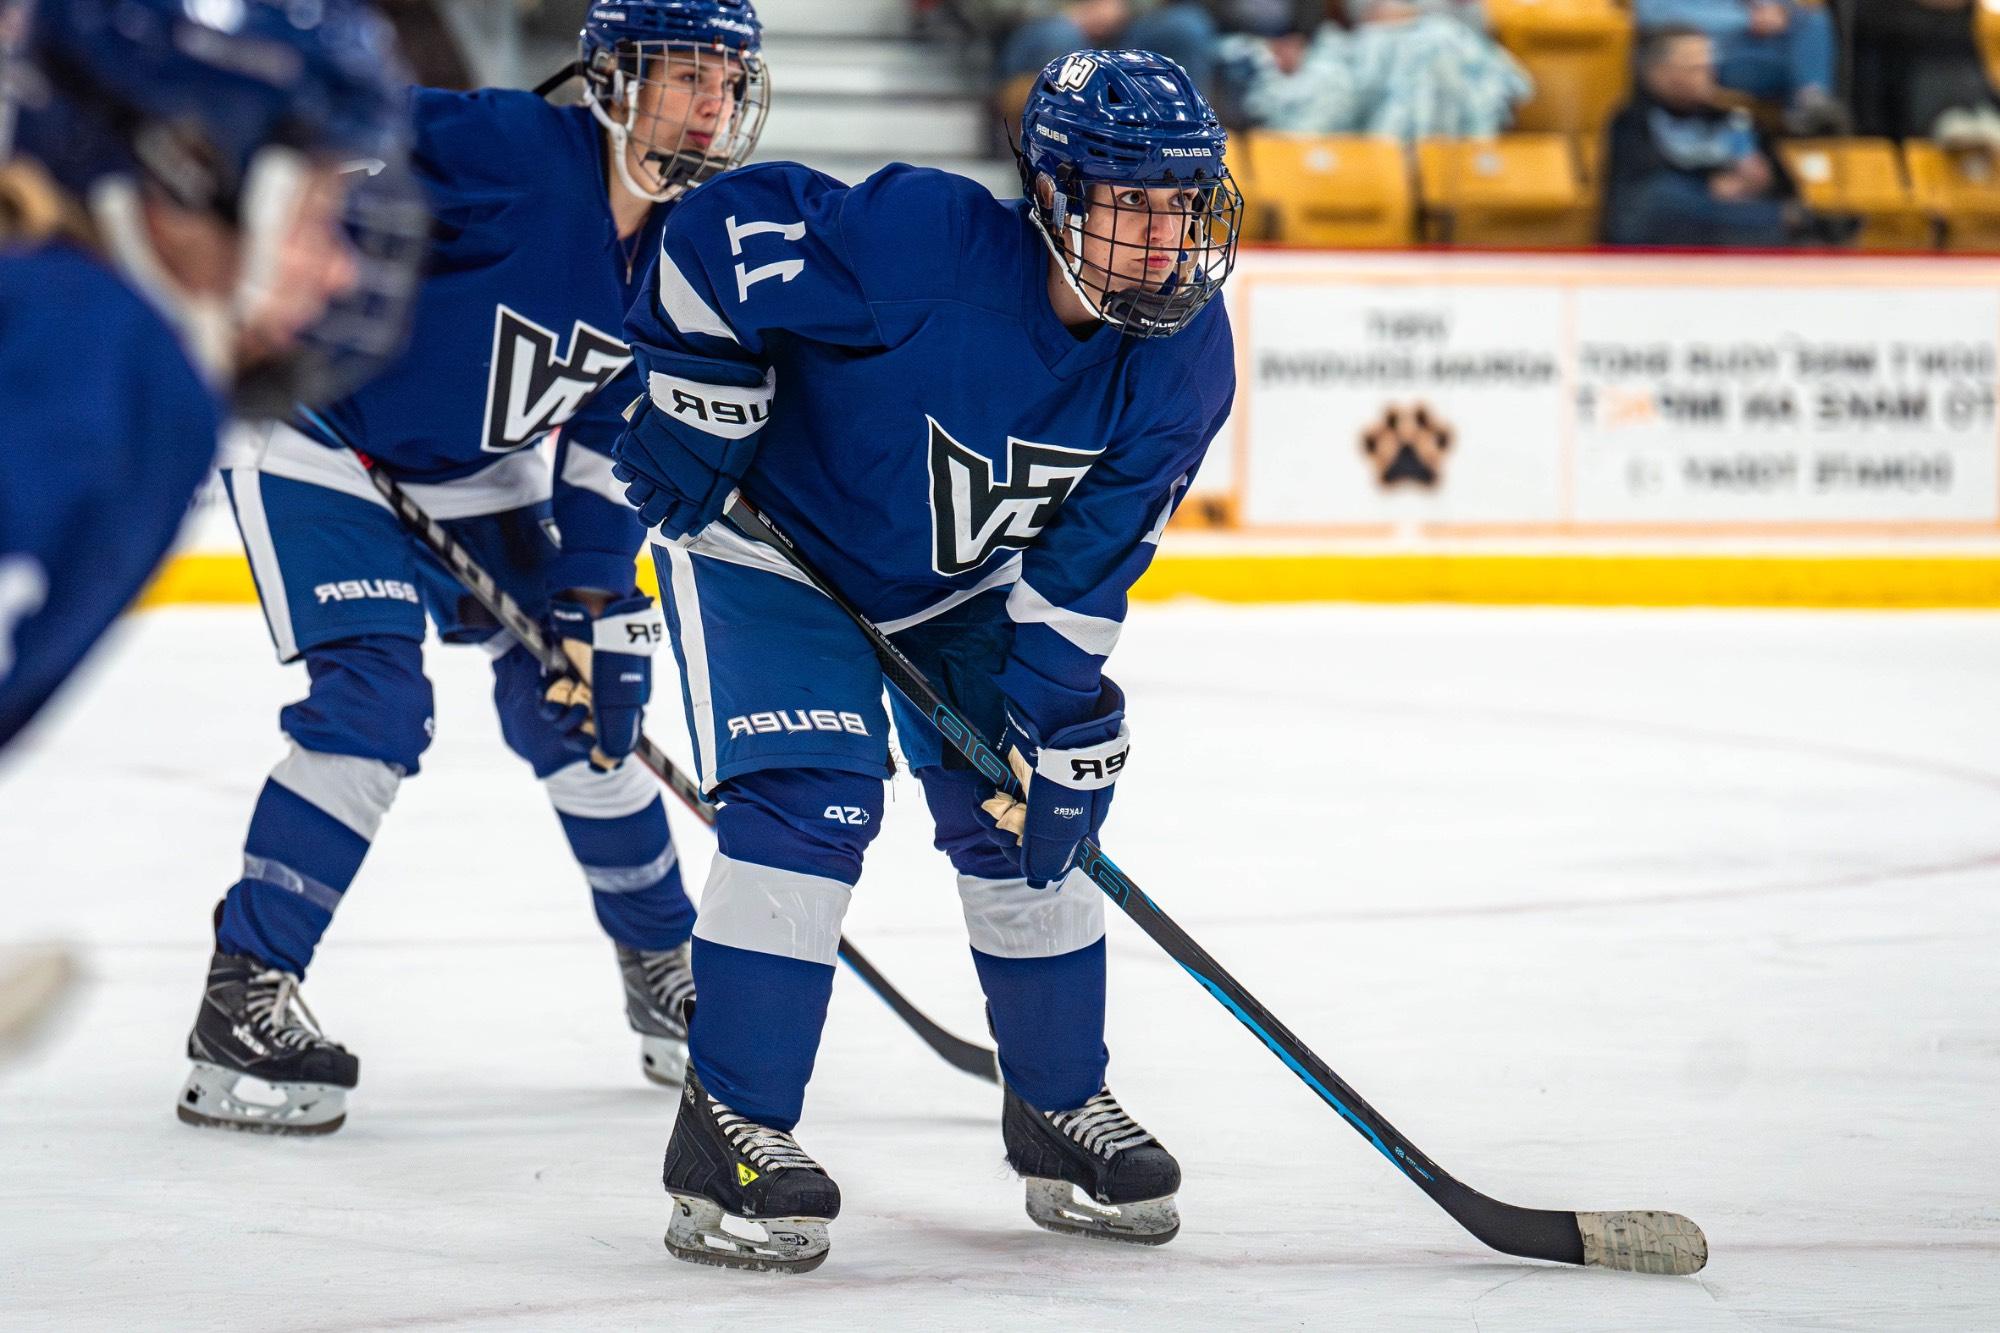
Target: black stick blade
965,1056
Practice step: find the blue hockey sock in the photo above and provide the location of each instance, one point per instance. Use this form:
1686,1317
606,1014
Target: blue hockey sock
312,827
769,932
757,1022
617,827
634,876
1048,1019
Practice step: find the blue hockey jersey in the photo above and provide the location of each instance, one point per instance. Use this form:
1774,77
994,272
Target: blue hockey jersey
105,432
929,428
516,329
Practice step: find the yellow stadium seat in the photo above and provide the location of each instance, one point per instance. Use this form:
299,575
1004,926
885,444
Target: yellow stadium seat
1257,220
1011,98
1986,30
1591,150
1959,190
1579,52
1517,190
1335,191
1859,178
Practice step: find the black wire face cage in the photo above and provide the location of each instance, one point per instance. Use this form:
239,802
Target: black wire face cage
386,220
1144,257
692,111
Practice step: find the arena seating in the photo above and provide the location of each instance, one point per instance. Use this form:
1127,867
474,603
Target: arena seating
1863,179
1579,53
1516,190
1961,191
1338,191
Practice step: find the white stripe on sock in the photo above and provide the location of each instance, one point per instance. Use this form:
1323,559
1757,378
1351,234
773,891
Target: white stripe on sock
766,910
591,793
355,791
1007,919
631,879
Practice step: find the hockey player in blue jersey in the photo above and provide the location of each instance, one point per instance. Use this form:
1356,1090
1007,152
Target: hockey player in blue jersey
975,418
546,219
180,237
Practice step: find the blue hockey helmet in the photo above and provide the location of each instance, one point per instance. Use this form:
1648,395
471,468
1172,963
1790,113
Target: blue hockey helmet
1122,161
248,112
680,85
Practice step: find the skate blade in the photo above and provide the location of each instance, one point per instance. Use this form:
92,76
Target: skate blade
664,1060
1057,1205
218,1098
789,1244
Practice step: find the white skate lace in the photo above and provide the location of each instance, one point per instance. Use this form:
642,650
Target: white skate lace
668,979
767,1149
1100,1125
270,999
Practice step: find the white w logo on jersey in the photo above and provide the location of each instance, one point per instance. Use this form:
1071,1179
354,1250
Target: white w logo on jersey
533,389
973,515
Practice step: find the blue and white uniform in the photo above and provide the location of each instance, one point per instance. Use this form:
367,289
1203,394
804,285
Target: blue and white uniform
978,480
108,432
114,377
515,340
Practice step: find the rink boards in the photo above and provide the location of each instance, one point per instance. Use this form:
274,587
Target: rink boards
1570,429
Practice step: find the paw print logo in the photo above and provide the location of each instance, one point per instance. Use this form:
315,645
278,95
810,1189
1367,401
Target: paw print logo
1408,446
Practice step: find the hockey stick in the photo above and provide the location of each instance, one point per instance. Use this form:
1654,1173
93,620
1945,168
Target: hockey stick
1641,1242
972,1058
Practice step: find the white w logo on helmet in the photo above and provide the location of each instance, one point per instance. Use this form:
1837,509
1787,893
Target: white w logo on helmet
1075,74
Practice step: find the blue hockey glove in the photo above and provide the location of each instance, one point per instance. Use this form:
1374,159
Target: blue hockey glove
680,467
612,651
1066,783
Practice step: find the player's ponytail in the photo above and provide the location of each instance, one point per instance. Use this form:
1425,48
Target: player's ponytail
33,208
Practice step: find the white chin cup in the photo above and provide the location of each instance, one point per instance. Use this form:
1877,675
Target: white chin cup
621,136
272,195
204,323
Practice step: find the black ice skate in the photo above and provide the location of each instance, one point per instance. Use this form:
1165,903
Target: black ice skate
721,1170
260,1061
657,983
1093,1171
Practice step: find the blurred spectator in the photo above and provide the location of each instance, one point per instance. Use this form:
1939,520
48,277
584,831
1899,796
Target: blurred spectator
1426,69
428,44
1682,170
1917,70
1038,31
1289,76
1775,50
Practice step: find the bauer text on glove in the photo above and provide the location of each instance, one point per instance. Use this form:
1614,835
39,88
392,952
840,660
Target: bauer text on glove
1066,787
686,447
612,651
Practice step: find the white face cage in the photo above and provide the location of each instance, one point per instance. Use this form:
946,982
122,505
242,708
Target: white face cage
685,112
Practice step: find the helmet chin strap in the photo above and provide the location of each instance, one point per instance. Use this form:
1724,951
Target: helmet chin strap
621,137
1072,225
204,323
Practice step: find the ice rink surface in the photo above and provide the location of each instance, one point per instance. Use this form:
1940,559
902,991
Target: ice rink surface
1696,911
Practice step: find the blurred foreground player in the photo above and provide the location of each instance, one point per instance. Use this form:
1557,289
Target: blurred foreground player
976,418
546,219
180,238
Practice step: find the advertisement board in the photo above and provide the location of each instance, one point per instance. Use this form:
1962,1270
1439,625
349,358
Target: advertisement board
1444,397
1581,428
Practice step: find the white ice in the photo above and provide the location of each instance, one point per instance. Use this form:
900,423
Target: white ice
1697,911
